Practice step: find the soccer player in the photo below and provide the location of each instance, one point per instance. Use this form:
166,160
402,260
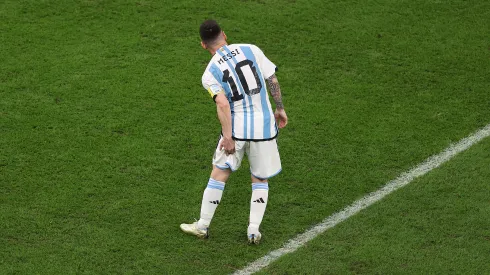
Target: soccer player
236,79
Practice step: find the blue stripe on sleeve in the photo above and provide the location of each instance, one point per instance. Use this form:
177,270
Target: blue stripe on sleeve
218,75
263,94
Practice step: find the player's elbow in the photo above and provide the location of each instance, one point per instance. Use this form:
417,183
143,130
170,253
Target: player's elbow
222,102
223,106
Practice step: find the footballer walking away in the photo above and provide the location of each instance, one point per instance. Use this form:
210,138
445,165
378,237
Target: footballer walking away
236,79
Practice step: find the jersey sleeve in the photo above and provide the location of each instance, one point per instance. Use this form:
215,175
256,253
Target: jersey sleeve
211,85
267,67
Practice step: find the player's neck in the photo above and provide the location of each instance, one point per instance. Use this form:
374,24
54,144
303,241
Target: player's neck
214,49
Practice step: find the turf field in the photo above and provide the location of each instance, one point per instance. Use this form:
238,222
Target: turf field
106,136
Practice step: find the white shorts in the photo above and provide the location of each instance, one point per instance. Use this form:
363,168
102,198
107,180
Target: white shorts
263,157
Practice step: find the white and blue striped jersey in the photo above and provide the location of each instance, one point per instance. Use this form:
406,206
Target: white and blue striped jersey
240,71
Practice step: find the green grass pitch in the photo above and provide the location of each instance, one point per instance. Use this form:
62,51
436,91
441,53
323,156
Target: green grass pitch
106,136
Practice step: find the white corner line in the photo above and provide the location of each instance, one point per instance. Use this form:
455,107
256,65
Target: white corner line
402,180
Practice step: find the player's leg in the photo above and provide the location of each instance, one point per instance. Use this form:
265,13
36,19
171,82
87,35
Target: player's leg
212,195
210,200
223,165
258,204
264,164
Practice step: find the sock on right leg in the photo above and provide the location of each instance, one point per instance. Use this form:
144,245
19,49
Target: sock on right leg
258,203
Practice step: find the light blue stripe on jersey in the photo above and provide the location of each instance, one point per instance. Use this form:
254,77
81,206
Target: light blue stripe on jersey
260,186
251,106
218,75
263,95
241,90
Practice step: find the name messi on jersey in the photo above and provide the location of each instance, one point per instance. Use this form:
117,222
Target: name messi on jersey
228,56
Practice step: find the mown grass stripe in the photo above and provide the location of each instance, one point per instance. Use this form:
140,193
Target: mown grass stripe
331,221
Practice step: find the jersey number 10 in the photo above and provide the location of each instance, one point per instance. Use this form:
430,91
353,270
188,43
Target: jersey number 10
243,81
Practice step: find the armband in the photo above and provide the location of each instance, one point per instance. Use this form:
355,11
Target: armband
214,90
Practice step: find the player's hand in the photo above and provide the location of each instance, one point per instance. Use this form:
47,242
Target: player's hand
228,144
281,118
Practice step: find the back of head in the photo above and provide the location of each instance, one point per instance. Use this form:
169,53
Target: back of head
209,31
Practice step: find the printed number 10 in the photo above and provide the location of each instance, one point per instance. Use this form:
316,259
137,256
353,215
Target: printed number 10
238,68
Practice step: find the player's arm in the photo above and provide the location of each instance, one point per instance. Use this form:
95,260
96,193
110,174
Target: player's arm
224,116
275,91
223,110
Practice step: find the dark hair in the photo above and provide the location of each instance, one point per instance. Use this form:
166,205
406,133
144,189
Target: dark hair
209,31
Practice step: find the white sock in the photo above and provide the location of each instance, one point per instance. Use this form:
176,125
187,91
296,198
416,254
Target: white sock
258,203
210,200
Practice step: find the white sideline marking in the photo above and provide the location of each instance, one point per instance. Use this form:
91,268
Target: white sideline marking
404,179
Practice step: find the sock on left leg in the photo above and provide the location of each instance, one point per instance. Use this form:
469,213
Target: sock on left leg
210,201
